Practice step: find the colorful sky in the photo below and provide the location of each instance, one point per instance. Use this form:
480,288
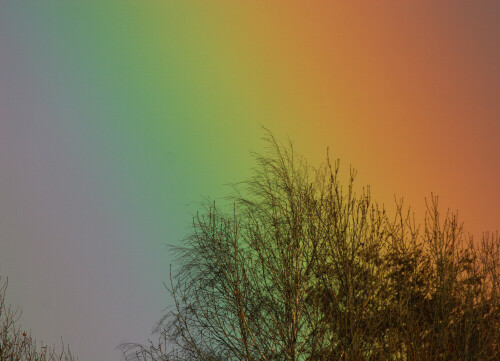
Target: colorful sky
117,117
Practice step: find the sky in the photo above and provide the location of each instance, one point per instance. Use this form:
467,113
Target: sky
117,118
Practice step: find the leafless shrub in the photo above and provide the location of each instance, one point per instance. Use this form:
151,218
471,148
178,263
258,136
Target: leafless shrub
17,344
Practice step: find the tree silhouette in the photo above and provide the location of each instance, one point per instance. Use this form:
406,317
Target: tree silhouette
305,268
16,344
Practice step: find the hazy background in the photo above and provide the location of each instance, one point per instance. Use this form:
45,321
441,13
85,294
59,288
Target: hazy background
116,117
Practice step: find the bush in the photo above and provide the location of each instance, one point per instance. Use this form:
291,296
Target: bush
16,344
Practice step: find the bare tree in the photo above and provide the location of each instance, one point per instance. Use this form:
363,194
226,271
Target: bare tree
444,301
303,268
17,344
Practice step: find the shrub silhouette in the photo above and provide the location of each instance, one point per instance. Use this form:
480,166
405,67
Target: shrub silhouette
304,267
16,344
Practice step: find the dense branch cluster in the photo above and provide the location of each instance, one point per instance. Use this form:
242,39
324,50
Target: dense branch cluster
305,268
